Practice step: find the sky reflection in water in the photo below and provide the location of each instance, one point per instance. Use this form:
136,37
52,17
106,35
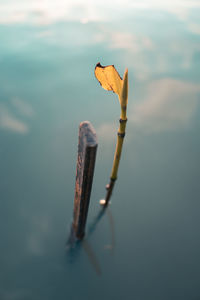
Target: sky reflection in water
47,55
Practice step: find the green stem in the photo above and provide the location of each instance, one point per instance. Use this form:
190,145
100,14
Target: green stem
120,138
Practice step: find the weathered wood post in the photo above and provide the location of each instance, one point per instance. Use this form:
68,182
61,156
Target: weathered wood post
87,149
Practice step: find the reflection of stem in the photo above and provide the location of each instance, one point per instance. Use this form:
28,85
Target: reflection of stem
112,228
120,138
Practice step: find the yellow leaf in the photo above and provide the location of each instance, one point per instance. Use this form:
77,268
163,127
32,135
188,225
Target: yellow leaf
109,78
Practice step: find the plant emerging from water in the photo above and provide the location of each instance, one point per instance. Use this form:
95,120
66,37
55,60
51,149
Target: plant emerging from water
110,80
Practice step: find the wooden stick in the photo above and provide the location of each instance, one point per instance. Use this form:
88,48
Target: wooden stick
87,149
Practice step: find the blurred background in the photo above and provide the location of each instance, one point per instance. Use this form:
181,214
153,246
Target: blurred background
147,245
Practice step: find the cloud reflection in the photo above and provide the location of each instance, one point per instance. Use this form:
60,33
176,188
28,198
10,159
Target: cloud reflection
48,12
9,122
107,131
128,41
169,104
23,107
194,28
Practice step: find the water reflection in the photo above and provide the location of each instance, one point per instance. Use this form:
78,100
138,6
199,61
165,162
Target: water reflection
23,107
74,246
9,121
48,12
14,115
97,219
169,104
112,230
92,256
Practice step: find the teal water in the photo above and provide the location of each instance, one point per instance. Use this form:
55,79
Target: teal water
147,245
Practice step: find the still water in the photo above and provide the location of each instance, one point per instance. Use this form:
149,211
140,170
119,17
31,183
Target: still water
147,245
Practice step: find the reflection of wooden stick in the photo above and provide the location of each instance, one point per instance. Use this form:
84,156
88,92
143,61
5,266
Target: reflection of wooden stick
74,244
84,176
92,257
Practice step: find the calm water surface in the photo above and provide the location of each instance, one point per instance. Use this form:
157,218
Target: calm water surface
147,245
